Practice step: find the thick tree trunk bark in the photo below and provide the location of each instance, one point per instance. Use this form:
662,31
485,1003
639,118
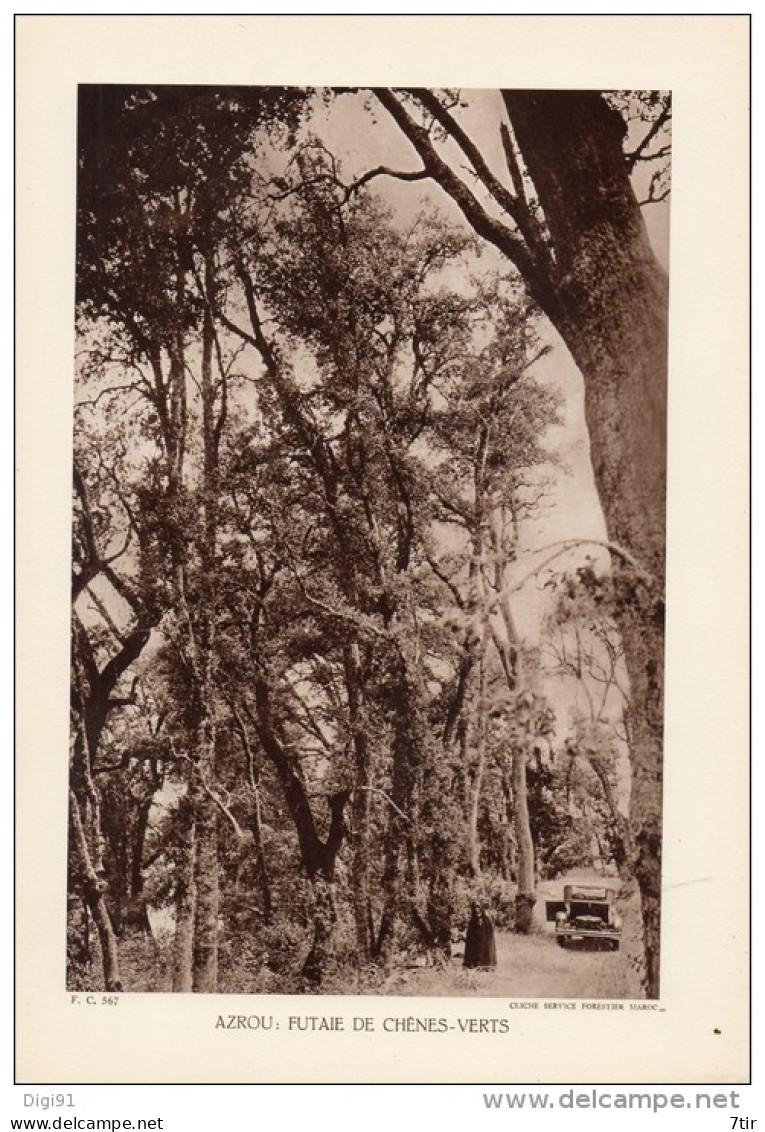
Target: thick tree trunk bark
625,850
611,308
626,413
361,813
394,843
319,961
89,845
317,856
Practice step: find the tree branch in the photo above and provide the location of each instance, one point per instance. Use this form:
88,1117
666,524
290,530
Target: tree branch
570,544
515,205
442,577
243,835
500,235
388,799
384,171
639,153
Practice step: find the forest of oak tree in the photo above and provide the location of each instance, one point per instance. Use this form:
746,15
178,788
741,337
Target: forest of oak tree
309,725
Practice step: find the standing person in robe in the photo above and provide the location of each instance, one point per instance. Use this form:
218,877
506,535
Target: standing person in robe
480,942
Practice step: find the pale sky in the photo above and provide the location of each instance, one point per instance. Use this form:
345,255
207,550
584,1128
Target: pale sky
362,135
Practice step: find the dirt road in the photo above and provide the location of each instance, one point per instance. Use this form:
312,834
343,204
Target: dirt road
534,966
527,967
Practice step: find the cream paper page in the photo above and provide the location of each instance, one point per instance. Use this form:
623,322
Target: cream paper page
700,1030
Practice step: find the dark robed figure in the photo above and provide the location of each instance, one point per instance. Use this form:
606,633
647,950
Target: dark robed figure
480,944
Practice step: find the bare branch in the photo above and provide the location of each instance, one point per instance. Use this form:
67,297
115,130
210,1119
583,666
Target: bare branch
307,721
248,751
453,589
384,171
123,589
570,544
243,835
477,161
506,239
658,188
104,612
91,403
388,799
639,153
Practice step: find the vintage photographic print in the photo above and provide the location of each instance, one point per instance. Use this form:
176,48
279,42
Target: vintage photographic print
368,559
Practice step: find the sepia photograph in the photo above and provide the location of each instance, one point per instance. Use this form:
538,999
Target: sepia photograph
369,541
382,400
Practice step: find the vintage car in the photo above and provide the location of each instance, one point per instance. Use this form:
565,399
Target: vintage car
586,915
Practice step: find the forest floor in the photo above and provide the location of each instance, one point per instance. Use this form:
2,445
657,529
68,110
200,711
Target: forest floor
531,966
528,966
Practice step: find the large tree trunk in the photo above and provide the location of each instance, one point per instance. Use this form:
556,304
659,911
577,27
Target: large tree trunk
88,845
317,856
320,959
125,822
204,815
137,913
624,849
611,308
